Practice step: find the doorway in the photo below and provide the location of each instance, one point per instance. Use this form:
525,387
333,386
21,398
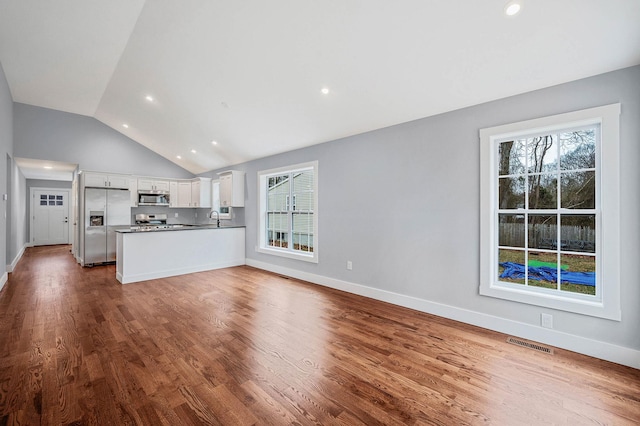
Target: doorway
49,216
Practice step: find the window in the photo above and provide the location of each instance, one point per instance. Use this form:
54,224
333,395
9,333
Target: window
51,200
550,212
223,212
288,211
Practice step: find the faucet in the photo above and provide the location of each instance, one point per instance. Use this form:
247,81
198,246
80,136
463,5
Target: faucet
217,217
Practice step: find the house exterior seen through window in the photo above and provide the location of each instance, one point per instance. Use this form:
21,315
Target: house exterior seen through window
550,211
288,211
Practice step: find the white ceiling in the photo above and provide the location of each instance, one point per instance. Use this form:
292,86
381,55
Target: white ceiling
248,73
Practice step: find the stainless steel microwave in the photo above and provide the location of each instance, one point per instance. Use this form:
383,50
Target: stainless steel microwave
153,198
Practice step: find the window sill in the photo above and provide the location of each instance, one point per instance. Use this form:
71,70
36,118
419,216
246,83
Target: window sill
312,258
583,306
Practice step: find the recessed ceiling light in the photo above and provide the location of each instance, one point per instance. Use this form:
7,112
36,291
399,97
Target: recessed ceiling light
193,151
48,167
149,98
214,143
325,90
512,8
125,125
178,157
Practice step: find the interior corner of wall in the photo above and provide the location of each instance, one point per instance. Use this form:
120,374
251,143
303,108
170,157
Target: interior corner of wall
3,280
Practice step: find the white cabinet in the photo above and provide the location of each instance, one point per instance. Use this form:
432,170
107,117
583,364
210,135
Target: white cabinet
184,194
201,192
133,192
173,193
179,252
145,184
231,188
193,193
105,180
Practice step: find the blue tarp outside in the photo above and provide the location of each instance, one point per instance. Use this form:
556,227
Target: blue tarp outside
544,273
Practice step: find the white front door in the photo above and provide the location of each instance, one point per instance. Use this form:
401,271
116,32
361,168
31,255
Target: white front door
50,217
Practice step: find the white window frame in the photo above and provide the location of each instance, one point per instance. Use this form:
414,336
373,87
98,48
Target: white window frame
262,246
215,200
606,303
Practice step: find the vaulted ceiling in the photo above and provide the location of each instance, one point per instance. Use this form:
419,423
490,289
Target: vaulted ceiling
248,74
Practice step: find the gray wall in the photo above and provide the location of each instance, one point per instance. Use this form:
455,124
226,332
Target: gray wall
12,183
18,232
6,154
47,134
402,204
42,183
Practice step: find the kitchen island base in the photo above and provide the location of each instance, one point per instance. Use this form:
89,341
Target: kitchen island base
145,256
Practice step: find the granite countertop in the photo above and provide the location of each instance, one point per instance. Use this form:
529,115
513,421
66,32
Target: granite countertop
175,227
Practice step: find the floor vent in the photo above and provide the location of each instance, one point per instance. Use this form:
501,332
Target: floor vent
530,345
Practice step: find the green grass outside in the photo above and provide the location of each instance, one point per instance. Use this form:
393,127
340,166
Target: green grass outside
574,263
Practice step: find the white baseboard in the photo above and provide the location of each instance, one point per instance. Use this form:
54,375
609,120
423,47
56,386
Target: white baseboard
15,261
597,349
3,280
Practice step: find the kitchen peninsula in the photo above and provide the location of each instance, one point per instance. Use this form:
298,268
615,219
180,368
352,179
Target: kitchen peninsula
144,255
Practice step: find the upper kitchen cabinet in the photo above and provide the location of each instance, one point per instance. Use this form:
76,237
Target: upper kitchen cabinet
173,194
105,180
201,192
193,193
231,188
184,194
133,192
146,184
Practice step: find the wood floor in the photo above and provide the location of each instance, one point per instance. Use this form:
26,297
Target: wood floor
242,346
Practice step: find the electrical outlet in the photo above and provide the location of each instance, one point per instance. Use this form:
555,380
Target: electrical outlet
349,265
546,320
176,215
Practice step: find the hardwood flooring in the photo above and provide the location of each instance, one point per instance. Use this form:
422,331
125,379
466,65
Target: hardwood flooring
241,346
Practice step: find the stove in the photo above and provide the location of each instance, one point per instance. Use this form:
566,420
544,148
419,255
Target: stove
148,222
153,222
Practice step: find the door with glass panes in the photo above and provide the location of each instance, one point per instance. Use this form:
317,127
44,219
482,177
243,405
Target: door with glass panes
50,217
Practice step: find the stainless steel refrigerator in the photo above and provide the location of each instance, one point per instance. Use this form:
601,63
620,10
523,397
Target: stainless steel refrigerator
104,211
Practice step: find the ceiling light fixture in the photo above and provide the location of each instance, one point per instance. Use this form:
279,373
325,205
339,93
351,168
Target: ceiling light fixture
48,167
193,151
214,143
125,125
178,157
149,98
325,90
512,8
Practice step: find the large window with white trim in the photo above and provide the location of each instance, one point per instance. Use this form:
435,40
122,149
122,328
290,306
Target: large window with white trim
550,212
288,211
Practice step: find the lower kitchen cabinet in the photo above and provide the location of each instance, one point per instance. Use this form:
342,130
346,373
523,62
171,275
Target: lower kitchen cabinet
142,256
